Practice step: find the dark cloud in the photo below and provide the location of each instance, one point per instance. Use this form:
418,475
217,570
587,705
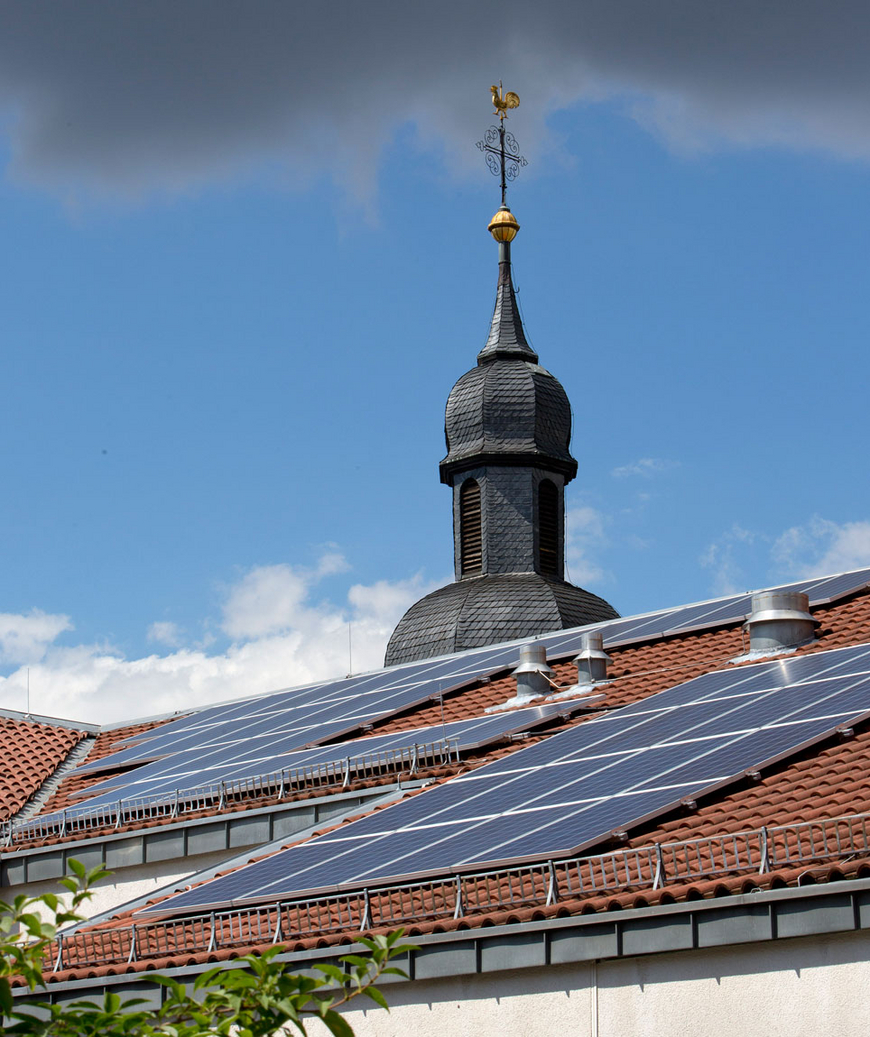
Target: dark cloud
128,96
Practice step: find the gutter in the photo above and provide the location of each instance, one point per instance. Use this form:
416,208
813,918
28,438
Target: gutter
174,841
752,918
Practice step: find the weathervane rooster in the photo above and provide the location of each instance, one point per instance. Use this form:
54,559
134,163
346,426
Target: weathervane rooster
499,147
502,103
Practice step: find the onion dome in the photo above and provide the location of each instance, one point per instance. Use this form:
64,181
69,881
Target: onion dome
489,610
512,411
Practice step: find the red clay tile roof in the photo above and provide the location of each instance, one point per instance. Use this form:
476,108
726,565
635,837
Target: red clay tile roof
106,950
104,744
636,671
829,780
107,741
30,752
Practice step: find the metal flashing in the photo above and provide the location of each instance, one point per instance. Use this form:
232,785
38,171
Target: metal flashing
752,918
38,718
178,839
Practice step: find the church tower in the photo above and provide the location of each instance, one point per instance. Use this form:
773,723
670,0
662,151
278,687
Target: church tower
508,431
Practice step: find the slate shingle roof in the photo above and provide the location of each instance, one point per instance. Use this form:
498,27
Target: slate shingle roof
506,334
508,409
488,609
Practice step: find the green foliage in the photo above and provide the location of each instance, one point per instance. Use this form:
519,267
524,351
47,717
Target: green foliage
255,996
25,936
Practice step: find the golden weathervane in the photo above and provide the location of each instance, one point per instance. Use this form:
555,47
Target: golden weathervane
499,147
501,103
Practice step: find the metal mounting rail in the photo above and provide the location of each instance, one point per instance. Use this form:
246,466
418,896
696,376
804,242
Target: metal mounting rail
542,884
278,785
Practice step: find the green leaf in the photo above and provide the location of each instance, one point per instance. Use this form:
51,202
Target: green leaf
337,1025
356,959
77,868
377,997
255,996
207,978
394,970
167,981
333,971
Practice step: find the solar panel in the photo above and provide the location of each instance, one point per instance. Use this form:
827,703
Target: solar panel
302,717
566,793
834,587
820,590
334,707
191,769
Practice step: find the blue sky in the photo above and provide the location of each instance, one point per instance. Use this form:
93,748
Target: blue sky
232,313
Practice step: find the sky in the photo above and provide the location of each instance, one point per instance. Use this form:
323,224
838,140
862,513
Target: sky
243,259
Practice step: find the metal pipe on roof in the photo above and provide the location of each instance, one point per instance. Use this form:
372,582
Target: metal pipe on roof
534,676
592,660
779,619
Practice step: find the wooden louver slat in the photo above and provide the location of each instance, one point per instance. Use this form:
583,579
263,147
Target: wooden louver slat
548,528
470,528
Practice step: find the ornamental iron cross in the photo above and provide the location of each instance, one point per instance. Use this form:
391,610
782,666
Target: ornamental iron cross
499,146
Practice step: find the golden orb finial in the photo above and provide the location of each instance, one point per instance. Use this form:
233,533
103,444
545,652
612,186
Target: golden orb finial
503,226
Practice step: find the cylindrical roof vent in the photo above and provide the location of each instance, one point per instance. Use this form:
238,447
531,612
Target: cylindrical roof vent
592,660
779,619
533,674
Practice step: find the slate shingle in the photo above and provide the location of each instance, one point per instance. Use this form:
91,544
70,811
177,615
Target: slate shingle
489,609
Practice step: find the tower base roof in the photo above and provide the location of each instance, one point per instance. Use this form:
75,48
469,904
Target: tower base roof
490,609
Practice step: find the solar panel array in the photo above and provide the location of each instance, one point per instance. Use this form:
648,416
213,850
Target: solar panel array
265,754
708,614
211,743
568,792
309,715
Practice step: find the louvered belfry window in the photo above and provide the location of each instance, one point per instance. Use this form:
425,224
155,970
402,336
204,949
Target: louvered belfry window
548,527
470,532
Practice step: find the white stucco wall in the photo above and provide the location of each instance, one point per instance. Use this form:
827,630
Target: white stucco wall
784,989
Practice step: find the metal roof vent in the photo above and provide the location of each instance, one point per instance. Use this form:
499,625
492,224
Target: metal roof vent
534,676
779,619
592,660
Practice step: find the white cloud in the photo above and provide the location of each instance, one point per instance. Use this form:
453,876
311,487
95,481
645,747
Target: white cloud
26,638
267,600
281,638
586,540
821,547
724,558
384,602
742,559
646,467
166,633
332,561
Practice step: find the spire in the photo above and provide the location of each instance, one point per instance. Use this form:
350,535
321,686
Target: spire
506,335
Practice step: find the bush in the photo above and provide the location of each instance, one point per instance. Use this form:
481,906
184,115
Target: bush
255,996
